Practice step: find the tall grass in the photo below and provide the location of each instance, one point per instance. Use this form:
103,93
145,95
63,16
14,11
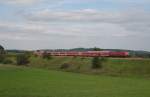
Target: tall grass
113,66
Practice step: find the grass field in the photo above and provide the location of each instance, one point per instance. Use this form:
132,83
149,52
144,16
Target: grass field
113,66
29,82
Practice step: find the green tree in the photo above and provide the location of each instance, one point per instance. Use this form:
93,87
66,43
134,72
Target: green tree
96,49
97,61
2,54
1,49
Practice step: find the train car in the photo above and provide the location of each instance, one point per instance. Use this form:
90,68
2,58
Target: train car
100,53
119,54
84,53
72,53
39,53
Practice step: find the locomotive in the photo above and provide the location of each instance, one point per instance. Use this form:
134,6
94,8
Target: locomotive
83,53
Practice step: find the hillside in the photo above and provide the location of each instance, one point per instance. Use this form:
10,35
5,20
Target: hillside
112,66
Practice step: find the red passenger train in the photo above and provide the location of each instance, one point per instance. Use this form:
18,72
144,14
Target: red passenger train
83,53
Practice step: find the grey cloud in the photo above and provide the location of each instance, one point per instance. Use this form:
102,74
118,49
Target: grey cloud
29,2
80,28
61,29
133,20
19,1
89,15
25,31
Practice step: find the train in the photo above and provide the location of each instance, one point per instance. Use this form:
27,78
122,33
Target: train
83,53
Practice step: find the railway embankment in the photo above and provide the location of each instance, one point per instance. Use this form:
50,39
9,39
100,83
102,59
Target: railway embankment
112,66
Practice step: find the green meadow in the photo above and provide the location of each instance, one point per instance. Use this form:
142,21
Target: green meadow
118,77
31,82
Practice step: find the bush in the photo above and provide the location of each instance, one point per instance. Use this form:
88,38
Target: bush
2,58
96,63
7,61
2,54
64,66
22,59
47,56
2,51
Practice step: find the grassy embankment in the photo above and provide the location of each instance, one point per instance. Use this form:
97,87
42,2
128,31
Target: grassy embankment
113,66
30,82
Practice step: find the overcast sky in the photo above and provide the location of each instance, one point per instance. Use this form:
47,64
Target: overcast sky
49,24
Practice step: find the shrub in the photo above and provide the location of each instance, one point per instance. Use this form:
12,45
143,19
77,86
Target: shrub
2,54
2,51
7,61
47,56
2,58
64,66
96,63
22,59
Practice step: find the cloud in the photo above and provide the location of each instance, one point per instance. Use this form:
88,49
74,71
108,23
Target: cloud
19,1
29,2
88,15
43,26
30,31
133,20
80,23
72,16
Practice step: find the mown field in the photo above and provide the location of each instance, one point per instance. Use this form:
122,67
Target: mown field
30,82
